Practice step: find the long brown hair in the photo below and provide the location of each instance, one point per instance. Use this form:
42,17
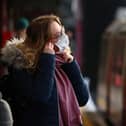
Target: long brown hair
38,33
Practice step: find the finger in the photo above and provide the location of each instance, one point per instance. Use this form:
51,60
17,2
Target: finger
51,45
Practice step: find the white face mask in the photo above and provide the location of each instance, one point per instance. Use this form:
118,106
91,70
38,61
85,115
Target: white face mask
63,42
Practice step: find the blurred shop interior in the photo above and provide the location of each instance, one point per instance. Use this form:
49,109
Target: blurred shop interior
98,42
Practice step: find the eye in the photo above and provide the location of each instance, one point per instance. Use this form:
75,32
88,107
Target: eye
57,35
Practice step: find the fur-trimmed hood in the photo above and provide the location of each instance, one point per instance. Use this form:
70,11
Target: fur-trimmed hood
12,56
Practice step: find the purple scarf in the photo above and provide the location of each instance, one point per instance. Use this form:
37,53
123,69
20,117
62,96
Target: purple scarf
69,113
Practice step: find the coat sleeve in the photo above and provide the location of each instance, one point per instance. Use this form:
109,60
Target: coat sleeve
73,72
38,86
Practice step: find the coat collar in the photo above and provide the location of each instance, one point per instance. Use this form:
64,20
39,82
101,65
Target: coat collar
11,55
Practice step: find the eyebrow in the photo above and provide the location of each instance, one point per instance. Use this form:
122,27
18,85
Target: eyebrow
58,32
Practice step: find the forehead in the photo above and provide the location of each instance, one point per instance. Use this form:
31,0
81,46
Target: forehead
55,27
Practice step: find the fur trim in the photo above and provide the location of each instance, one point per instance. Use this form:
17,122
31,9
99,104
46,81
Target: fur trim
14,40
12,56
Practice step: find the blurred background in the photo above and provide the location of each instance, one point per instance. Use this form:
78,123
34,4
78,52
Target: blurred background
97,31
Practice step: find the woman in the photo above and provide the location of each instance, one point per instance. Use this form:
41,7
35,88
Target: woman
46,81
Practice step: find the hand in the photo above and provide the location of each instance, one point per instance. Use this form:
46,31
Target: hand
67,56
49,48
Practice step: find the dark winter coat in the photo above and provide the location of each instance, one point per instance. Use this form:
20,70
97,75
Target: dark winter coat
34,100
